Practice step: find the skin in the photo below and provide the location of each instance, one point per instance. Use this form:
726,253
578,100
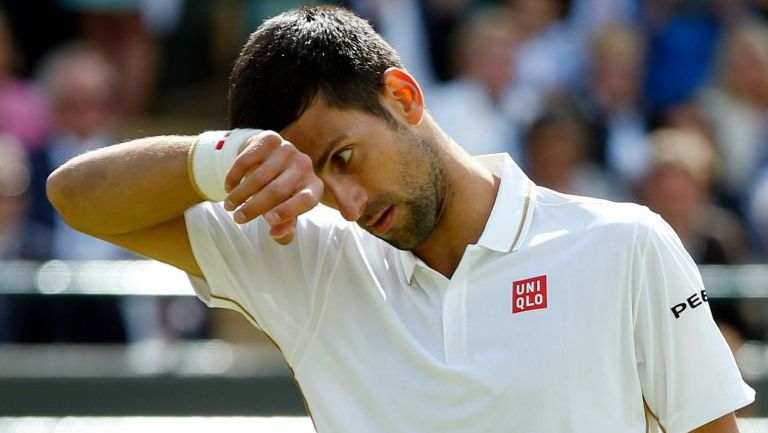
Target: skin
725,424
357,178
364,186
415,196
282,176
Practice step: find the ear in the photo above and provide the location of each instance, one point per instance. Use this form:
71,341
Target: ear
404,94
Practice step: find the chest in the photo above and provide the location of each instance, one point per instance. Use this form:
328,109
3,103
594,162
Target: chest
509,335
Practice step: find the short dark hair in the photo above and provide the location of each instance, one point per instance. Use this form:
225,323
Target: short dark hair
302,54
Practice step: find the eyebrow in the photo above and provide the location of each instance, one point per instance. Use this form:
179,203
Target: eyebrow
323,159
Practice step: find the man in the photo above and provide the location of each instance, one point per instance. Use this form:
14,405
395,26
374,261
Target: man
81,87
464,299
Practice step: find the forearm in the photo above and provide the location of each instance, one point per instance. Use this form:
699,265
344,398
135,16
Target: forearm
125,187
725,424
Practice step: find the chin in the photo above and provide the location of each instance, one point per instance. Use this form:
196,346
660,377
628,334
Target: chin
405,242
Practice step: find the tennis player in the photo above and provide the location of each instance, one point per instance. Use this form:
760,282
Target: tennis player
431,291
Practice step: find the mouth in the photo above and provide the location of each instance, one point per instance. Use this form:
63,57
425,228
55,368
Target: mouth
381,224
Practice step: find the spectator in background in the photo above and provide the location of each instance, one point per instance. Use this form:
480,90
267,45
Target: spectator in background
469,106
126,32
82,89
613,104
682,39
443,18
550,59
401,23
82,86
23,112
678,186
736,106
687,115
557,156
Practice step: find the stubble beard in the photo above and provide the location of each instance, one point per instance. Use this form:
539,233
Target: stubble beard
423,189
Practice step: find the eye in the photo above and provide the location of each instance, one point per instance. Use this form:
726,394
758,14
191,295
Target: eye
342,158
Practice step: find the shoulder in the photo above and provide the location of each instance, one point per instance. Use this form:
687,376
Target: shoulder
621,232
612,224
590,212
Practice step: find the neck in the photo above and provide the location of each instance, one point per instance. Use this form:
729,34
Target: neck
468,203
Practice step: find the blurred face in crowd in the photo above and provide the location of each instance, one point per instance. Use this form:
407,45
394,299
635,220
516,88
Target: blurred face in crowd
684,163
745,64
617,81
83,95
485,48
675,194
489,60
554,151
616,68
686,115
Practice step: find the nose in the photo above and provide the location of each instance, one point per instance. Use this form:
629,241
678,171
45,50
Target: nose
348,197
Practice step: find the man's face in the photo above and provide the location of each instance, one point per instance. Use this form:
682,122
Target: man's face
83,100
385,177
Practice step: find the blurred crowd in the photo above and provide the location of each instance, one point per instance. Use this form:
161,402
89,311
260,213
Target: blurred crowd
662,102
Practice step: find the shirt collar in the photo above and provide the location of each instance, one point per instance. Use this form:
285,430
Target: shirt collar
511,213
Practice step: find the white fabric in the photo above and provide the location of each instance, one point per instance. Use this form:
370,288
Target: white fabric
213,155
379,342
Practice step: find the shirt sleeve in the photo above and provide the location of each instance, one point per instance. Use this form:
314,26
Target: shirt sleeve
274,286
687,372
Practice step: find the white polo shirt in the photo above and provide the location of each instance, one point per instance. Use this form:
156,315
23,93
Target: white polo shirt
569,315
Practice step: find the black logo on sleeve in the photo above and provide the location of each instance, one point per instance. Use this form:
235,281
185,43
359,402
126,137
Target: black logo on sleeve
691,302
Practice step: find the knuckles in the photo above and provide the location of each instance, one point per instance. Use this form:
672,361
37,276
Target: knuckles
259,178
303,162
267,138
280,215
264,191
278,191
257,145
306,198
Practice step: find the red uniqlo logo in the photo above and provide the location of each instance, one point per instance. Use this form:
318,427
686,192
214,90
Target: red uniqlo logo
529,294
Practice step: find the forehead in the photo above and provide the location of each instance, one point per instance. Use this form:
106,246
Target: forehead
322,126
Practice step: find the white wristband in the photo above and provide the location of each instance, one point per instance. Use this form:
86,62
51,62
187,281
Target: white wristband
212,156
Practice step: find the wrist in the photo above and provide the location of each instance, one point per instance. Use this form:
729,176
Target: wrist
211,157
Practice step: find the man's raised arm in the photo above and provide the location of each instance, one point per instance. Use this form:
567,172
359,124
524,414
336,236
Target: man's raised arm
134,194
724,424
